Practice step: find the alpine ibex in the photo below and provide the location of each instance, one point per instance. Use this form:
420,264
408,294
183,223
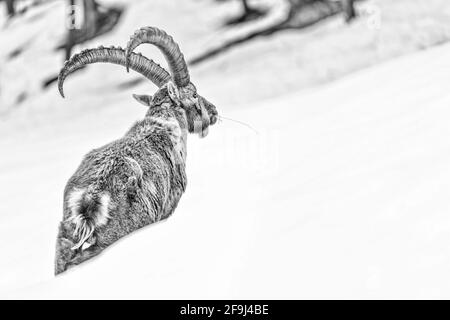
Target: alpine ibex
138,179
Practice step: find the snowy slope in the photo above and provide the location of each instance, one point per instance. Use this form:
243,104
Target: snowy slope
343,193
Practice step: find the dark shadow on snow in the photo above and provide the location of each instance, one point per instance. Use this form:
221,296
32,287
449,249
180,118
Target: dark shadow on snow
130,83
248,15
302,14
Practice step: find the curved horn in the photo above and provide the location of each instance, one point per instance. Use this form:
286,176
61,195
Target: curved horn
148,68
168,47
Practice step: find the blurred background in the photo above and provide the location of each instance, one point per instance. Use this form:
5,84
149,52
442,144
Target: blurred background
326,177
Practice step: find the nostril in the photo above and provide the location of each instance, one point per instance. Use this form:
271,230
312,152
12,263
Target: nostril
213,119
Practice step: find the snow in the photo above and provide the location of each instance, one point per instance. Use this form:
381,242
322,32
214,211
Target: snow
336,191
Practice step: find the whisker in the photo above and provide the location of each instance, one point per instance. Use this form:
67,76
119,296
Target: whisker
240,122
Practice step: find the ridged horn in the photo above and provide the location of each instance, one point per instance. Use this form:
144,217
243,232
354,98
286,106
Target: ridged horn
148,68
168,47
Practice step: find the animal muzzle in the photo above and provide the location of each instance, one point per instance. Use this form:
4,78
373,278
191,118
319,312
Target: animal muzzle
210,109
205,122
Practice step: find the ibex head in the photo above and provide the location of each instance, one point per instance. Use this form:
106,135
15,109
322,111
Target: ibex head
200,113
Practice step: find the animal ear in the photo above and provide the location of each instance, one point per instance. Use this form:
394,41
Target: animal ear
143,99
174,94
